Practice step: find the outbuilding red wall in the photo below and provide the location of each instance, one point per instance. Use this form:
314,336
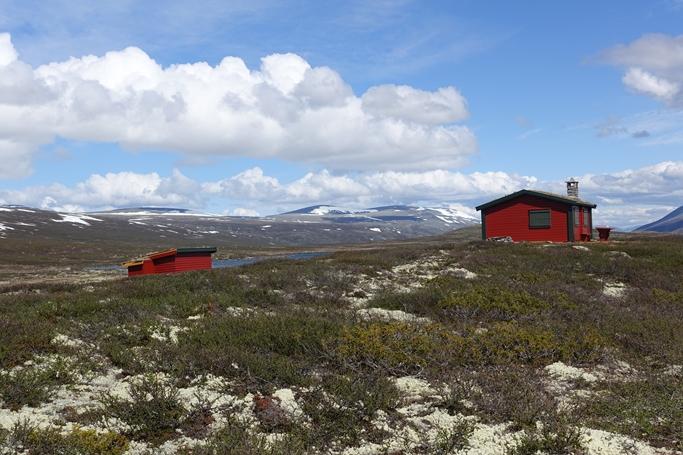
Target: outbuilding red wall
182,262
192,261
173,260
164,264
511,218
145,268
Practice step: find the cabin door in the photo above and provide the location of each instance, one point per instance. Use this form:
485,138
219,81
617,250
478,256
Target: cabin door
582,224
586,224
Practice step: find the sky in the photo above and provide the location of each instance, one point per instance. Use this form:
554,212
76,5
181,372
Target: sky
257,107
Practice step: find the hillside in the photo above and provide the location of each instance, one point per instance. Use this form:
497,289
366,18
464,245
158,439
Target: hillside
672,223
450,345
161,227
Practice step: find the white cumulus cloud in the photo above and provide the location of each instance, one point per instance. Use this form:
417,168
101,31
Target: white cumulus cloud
446,105
658,182
286,109
649,84
7,52
109,191
653,64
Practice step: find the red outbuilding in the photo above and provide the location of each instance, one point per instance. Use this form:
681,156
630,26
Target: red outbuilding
171,261
529,215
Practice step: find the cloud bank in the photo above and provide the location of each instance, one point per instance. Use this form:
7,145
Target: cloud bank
285,109
625,198
252,189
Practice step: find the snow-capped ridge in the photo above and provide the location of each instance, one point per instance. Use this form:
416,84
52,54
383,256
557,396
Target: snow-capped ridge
152,211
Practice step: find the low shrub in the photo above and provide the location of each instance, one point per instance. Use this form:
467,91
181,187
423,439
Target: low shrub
398,347
550,440
28,438
152,412
235,438
491,302
505,394
650,409
342,408
366,394
23,334
268,349
421,301
32,385
453,439
510,343
404,348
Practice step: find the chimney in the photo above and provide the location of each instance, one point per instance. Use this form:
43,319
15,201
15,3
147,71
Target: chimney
573,188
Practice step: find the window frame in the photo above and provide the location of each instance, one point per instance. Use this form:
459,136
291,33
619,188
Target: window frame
586,217
575,215
545,211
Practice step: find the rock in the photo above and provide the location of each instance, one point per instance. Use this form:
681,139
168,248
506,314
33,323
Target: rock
288,402
460,272
614,289
502,239
413,389
389,315
673,370
563,372
616,254
268,411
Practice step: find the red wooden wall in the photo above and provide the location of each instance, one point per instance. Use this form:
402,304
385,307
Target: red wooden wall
511,218
164,264
192,261
170,263
145,268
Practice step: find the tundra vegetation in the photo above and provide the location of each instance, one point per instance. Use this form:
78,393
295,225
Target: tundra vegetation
447,346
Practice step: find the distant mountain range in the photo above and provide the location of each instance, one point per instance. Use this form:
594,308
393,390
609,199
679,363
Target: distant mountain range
673,223
315,225
383,214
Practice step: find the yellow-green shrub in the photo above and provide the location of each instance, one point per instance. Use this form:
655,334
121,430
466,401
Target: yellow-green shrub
507,342
94,443
498,301
398,345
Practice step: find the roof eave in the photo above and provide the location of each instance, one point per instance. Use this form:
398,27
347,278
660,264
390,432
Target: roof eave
558,198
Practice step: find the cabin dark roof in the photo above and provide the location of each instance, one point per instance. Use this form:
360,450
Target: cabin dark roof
541,194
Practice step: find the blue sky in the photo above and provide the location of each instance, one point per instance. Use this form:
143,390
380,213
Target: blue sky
368,102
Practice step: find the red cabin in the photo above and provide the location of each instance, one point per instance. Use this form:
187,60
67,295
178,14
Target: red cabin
529,215
170,261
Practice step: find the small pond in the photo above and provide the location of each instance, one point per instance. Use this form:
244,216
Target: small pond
226,263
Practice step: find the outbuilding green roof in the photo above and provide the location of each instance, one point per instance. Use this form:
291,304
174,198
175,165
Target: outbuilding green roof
199,249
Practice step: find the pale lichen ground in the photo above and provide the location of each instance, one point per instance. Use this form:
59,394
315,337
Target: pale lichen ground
422,417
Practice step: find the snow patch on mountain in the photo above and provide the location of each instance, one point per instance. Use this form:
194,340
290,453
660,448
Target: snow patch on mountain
322,210
150,212
75,219
453,215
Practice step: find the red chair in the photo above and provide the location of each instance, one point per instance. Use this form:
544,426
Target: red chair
603,233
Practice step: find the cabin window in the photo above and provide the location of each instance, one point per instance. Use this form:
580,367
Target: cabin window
575,214
539,218
586,217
